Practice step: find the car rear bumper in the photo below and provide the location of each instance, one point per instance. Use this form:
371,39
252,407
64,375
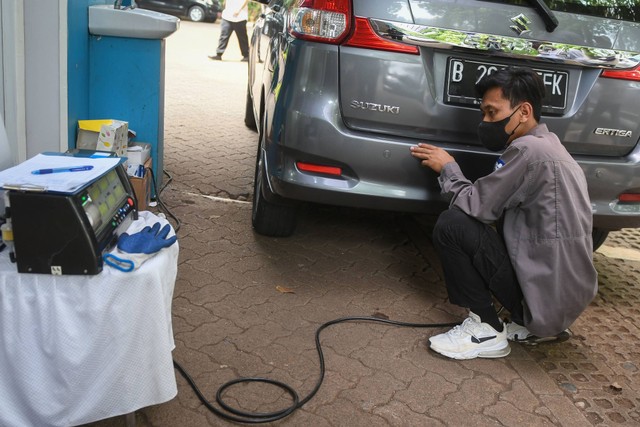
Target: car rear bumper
401,184
607,179
302,186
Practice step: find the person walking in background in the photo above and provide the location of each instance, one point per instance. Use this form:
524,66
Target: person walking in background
234,19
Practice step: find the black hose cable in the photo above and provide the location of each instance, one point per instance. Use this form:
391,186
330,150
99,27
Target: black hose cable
168,181
161,203
256,418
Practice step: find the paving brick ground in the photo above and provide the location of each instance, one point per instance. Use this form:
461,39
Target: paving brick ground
247,305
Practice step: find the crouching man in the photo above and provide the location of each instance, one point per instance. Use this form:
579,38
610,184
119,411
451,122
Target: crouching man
521,234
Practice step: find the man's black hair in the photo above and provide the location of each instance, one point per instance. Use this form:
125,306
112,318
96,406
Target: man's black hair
518,85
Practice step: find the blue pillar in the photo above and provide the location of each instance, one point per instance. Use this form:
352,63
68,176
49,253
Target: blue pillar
126,82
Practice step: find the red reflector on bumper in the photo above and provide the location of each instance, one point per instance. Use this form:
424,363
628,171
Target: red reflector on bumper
310,167
629,198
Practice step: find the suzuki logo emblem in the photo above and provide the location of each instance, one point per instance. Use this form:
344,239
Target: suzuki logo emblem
521,24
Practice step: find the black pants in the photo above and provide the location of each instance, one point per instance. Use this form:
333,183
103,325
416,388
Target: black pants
476,264
228,27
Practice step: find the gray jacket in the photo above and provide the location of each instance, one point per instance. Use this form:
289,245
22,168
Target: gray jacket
542,192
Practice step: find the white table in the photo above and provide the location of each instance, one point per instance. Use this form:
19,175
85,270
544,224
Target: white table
77,349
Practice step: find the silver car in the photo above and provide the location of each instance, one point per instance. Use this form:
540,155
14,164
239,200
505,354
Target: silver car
340,89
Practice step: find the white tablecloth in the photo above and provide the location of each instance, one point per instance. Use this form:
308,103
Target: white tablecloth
76,349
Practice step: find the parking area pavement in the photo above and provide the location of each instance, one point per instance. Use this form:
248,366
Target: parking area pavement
247,305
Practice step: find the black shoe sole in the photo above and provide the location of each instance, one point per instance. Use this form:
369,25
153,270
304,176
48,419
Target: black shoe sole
534,340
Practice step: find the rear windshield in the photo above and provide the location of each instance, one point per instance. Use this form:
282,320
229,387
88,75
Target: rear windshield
626,10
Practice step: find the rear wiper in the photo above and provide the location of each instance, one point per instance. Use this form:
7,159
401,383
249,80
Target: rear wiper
550,20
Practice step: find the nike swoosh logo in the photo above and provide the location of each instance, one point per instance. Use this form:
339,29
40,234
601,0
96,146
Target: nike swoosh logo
481,340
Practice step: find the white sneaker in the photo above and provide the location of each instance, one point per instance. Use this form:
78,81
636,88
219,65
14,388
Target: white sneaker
517,332
472,339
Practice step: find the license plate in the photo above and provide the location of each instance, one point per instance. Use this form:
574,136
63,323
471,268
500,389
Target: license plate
463,74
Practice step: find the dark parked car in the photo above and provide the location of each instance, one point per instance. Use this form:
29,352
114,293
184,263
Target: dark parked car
339,90
195,10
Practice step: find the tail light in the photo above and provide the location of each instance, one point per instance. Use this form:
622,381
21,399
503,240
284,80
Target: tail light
326,21
329,21
632,74
364,36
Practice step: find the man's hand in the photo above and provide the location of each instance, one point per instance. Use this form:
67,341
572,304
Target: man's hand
431,156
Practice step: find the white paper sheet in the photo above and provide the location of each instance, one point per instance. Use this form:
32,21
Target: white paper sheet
66,182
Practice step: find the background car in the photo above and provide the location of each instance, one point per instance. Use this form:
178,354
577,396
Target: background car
195,10
339,90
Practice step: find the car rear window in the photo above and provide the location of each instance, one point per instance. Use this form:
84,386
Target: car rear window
626,10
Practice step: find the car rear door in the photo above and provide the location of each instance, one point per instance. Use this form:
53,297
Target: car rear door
589,64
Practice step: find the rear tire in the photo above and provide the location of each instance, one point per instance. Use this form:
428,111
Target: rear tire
249,117
599,236
269,219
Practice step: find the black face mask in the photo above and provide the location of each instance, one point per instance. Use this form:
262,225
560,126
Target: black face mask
492,134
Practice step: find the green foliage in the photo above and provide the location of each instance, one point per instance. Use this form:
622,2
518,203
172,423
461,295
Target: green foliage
628,10
255,9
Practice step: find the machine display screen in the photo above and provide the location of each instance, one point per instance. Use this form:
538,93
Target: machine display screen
102,199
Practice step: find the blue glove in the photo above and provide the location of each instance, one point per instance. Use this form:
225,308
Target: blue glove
149,240
134,249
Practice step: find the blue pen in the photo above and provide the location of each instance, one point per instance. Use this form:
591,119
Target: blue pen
58,170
